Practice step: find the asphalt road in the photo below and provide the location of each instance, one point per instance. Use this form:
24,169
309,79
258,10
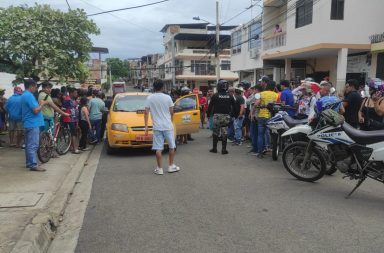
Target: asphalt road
233,203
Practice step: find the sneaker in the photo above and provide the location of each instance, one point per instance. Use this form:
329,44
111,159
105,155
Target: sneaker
260,156
173,168
159,171
84,149
229,140
37,169
255,153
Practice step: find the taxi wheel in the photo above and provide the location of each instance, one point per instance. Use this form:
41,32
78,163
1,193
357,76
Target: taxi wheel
109,149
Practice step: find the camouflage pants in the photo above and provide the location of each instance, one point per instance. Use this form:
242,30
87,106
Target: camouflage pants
220,124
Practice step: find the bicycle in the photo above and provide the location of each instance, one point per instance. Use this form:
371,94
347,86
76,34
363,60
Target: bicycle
60,140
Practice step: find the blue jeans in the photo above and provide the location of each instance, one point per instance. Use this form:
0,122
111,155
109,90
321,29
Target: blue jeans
261,135
32,136
231,130
96,126
238,125
254,136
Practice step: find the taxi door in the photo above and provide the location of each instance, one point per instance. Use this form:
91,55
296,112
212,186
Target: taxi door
186,115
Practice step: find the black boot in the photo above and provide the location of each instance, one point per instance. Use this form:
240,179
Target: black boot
215,140
224,145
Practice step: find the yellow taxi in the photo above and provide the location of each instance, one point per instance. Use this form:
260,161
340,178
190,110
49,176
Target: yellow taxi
126,127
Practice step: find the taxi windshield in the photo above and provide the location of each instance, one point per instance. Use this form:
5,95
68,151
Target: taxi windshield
129,103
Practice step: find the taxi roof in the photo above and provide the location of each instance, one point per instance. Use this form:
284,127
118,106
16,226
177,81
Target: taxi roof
124,94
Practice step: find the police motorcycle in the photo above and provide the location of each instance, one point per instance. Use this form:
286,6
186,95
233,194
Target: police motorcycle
278,124
358,154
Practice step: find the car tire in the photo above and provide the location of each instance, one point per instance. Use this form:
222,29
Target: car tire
108,148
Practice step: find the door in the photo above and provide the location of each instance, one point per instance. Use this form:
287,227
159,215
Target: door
187,115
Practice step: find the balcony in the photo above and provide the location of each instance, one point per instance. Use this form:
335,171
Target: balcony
274,41
274,3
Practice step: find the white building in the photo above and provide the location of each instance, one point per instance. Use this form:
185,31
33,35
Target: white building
194,55
319,38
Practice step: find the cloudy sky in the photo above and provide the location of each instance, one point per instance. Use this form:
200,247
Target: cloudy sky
134,33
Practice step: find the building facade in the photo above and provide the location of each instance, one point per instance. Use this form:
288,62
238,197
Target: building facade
316,38
191,60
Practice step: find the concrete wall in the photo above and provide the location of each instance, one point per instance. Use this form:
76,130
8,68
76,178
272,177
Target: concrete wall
361,19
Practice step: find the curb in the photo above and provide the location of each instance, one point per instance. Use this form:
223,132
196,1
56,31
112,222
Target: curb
38,235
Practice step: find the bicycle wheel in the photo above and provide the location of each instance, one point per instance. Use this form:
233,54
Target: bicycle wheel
45,147
293,157
63,141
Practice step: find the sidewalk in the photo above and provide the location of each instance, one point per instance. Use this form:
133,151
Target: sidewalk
32,203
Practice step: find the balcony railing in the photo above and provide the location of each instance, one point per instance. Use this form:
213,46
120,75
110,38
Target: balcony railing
274,41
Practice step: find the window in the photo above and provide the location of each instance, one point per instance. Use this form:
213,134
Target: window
236,42
225,65
186,104
304,11
337,10
129,103
202,68
254,35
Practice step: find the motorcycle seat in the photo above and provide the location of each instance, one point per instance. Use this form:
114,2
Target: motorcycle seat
363,137
291,122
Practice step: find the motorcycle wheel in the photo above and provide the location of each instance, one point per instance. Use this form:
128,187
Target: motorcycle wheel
275,146
293,157
45,147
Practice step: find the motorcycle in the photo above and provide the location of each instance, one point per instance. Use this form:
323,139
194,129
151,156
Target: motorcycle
358,154
278,124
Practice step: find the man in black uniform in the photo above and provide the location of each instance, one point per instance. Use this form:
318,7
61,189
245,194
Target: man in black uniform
221,107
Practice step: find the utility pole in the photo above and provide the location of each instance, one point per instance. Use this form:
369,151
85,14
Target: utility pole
217,53
173,61
110,79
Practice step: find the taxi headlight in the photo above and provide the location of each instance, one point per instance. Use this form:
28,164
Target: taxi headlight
120,127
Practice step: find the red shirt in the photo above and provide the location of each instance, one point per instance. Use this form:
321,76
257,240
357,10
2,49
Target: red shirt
203,102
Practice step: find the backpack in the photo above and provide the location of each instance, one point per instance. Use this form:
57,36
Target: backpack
333,118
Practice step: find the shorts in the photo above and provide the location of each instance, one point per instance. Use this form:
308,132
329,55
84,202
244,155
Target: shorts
72,127
49,124
15,125
160,136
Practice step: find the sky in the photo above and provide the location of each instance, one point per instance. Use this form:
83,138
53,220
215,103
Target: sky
135,33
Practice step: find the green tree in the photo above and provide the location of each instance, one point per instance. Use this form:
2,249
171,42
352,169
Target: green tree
119,68
41,42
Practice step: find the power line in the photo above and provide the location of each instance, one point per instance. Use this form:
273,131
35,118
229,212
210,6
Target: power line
69,7
128,8
129,22
266,26
232,18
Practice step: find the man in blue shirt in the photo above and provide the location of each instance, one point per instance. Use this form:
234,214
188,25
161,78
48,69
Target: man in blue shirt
97,106
286,97
13,108
32,121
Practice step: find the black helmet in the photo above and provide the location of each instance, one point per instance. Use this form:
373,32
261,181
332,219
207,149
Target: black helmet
222,85
185,91
245,84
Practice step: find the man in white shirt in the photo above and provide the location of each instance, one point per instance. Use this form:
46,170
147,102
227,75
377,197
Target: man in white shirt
161,107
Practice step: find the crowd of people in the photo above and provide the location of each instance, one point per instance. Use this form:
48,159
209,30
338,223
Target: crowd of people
238,114
27,113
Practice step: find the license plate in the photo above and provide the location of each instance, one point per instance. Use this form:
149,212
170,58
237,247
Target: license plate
144,137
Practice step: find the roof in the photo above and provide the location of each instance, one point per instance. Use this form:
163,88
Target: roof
222,27
200,37
190,26
103,50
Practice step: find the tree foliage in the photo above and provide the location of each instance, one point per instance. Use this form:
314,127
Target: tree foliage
119,69
42,42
